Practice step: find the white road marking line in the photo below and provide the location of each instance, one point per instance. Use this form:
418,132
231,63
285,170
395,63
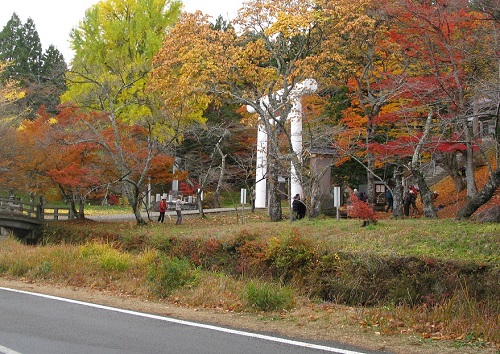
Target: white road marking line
5,350
189,323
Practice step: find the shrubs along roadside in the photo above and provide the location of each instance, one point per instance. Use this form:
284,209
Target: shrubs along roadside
252,271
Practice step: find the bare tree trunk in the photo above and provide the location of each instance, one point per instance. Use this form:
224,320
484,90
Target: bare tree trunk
370,162
72,204
221,177
275,212
480,198
425,192
199,193
469,164
133,196
81,209
450,164
312,198
72,207
370,179
397,193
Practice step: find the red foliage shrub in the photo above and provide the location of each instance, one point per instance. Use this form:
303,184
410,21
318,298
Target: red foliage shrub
360,210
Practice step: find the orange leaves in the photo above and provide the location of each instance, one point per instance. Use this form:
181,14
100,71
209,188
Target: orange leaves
161,169
353,119
51,156
185,67
73,176
360,210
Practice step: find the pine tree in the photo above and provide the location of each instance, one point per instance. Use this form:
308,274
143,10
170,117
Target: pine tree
40,74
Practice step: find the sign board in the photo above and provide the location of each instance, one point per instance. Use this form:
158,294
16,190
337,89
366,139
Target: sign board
243,196
336,197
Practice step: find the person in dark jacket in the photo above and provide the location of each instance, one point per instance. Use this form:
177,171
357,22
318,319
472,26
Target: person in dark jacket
410,198
389,200
301,208
295,208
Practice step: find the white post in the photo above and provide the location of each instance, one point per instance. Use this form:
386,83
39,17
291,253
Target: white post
261,168
243,198
296,139
295,116
306,86
175,183
149,193
336,199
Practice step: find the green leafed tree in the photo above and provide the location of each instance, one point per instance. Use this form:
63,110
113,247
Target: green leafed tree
40,74
114,46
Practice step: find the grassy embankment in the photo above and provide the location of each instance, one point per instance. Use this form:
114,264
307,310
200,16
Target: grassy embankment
434,278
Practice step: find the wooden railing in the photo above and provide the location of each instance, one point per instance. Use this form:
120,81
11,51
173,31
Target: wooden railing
38,210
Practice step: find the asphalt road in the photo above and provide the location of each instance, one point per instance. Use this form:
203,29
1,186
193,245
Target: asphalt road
34,323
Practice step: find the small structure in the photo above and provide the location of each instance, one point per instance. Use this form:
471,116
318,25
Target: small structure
320,163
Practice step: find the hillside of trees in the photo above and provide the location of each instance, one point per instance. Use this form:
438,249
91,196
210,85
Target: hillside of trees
153,95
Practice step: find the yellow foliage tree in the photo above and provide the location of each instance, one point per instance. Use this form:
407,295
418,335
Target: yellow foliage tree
114,46
270,53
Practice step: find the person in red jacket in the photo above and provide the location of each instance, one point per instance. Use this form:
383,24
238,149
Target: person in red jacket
162,207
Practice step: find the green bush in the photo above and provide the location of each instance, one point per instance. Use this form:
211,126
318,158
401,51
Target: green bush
167,274
106,256
289,256
45,268
269,297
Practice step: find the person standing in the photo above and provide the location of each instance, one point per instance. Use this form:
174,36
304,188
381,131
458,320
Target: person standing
301,212
389,200
178,209
410,199
162,208
295,207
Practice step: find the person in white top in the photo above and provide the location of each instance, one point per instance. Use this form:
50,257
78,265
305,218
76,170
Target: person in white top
178,209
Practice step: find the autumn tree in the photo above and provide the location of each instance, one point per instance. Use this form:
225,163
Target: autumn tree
258,67
114,46
49,163
440,43
486,91
357,56
9,93
407,67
